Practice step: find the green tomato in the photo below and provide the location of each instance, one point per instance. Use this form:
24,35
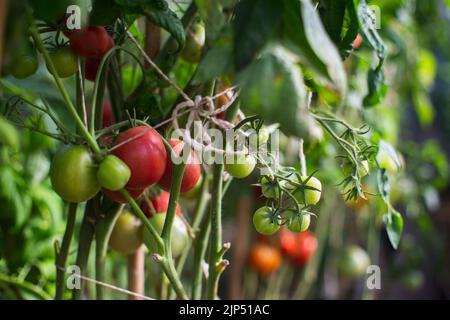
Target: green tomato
241,167
353,262
73,174
298,222
65,62
24,66
363,169
306,196
265,221
263,136
386,162
113,174
195,41
270,188
179,239
126,236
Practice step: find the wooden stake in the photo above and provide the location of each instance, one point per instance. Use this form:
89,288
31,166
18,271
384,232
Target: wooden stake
136,273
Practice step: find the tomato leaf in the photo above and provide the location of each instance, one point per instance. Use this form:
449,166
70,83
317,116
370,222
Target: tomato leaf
394,227
217,61
211,13
255,22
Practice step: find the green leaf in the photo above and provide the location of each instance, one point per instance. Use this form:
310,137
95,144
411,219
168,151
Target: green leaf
393,222
377,86
332,15
217,61
211,12
255,22
273,87
424,108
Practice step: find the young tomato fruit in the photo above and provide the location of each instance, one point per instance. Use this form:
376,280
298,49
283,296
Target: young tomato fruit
117,196
126,236
91,42
306,195
265,258
386,162
241,166
179,238
143,151
24,66
73,174
266,221
353,262
65,62
160,204
195,41
298,222
192,169
269,188
113,174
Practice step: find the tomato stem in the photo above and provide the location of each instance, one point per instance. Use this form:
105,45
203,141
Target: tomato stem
61,258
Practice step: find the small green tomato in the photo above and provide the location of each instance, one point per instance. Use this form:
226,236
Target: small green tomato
113,174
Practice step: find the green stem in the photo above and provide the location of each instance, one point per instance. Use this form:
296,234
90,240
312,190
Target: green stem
84,245
103,230
215,256
25,285
83,130
61,258
201,243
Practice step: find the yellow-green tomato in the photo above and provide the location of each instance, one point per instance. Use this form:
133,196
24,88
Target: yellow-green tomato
179,238
354,262
241,166
126,236
64,61
386,162
266,221
310,193
195,41
363,169
269,188
113,174
74,174
298,222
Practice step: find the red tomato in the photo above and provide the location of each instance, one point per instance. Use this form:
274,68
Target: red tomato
265,258
108,116
192,169
91,68
160,204
143,151
357,42
117,196
91,42
298,247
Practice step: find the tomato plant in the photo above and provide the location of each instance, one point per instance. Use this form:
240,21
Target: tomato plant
266,221
113,174
160,204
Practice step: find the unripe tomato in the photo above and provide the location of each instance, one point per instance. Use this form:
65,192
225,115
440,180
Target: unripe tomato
353,262
386,162
241,166
266,221
126,236
364,168
73,174
143,151
297,222
306,196
298,247
270,189
113,174
91,67
160,204
24,66
65,62
265,258
117,196
191,173
92,42
179,238
195,41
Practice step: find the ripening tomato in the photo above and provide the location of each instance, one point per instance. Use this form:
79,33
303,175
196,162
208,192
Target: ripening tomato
64,61
195,41
353,262
160,204
143,151
73,174
358,41
265,258
304,195
117,196
126,237
91,66
108,116
93,42
266,221
179,238
113,174
240,166
192,169
298,247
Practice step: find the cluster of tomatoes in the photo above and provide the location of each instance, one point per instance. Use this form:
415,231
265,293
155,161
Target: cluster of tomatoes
297,247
